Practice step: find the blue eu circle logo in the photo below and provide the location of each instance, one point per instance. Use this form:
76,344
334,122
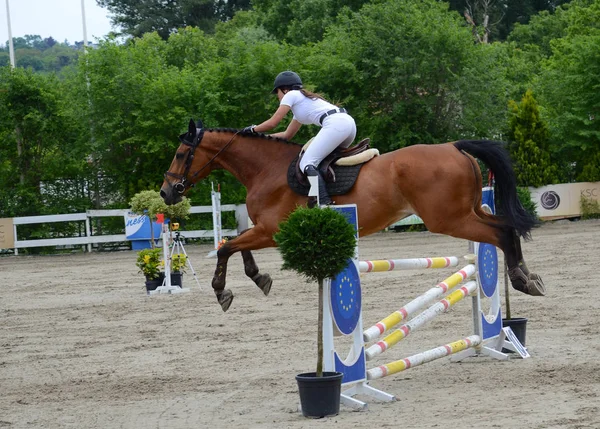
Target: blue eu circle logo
487,260
346,299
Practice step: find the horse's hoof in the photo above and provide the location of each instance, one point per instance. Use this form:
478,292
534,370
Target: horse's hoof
535,287
534,277
265,284
531,284
225,298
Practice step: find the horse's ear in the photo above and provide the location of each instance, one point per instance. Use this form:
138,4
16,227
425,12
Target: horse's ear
192,128
199,124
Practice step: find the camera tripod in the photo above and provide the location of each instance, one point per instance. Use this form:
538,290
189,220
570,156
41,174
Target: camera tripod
177,245
178,248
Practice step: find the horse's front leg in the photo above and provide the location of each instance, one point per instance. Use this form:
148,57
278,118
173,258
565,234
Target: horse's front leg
224,296
251,239
263,281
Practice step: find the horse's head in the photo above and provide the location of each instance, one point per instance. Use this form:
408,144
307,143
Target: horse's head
178,178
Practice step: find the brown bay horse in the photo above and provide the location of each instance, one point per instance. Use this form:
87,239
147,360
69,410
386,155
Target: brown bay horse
440,183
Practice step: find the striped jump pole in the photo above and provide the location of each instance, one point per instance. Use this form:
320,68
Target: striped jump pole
418,303
421,319
406,264
424,357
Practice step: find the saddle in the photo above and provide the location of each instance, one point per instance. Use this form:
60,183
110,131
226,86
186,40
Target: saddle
339,169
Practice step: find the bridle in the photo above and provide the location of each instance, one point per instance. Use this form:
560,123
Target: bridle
184,183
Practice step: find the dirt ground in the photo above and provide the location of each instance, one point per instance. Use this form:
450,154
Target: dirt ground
83,346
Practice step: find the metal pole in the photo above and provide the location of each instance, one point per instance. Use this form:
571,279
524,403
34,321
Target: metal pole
11,48
85,41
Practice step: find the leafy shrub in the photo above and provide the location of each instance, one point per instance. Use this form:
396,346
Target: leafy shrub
525,198
590,208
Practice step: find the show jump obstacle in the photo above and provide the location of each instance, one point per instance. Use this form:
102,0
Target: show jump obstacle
343,316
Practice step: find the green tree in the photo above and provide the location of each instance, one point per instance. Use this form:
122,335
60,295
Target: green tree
395,65
575,17
138,17
498,17
566,44
570,83
301,21
34,142
528,144
132,104
40,55
142,94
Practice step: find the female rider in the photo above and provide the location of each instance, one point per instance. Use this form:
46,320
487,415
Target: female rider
337,126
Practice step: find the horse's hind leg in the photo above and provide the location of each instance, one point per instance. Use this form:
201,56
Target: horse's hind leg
483,230
521,278
263,281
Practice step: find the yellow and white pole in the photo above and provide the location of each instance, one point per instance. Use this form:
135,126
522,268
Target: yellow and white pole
420,320
423,357
418,303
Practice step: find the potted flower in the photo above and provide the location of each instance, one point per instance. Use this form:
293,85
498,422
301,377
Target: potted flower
317,244
178,263
150,264
151,204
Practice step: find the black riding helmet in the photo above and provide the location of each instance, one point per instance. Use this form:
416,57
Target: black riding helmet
287,78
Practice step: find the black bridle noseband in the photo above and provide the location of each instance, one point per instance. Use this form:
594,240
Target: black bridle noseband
183,182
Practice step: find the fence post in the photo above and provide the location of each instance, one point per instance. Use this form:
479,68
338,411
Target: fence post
241,217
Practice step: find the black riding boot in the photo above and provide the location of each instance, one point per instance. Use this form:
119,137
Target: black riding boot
324,199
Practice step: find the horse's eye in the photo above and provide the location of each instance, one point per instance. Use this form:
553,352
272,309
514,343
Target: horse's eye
179,155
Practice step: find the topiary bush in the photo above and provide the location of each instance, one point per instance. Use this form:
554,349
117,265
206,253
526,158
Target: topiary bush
317,244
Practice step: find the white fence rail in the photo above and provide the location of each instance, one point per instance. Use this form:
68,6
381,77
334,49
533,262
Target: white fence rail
241,216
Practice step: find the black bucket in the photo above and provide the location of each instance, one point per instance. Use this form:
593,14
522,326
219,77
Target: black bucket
519,327
154,283
177,279
320,396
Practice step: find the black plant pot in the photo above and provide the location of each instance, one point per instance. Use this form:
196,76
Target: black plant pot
177,279
152,284
519,327
320,396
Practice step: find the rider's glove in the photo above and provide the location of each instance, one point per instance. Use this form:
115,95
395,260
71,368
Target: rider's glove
249,129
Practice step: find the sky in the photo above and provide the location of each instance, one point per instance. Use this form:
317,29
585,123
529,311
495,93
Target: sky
61,19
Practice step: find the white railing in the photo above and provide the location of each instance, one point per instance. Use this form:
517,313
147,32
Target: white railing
241,216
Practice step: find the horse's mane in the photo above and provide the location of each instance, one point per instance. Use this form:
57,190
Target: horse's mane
249,134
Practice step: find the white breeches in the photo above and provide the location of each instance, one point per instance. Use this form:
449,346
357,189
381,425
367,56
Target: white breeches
338,130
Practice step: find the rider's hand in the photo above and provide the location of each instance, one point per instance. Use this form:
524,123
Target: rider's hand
249,129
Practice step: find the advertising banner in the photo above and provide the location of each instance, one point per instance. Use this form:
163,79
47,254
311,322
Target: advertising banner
7,233
137,229
563,200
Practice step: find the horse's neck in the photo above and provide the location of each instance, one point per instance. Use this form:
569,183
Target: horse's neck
254,158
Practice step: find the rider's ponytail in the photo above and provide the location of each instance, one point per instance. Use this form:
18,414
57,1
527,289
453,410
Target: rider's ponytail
308,94
311,95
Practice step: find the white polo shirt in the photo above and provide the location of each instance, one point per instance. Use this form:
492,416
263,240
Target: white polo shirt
306,110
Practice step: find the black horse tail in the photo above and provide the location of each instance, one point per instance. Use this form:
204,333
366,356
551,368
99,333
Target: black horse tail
495,156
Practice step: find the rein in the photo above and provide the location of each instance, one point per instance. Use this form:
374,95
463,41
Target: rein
183,184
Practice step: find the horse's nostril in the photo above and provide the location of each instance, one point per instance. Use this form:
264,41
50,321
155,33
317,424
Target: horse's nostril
163,194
